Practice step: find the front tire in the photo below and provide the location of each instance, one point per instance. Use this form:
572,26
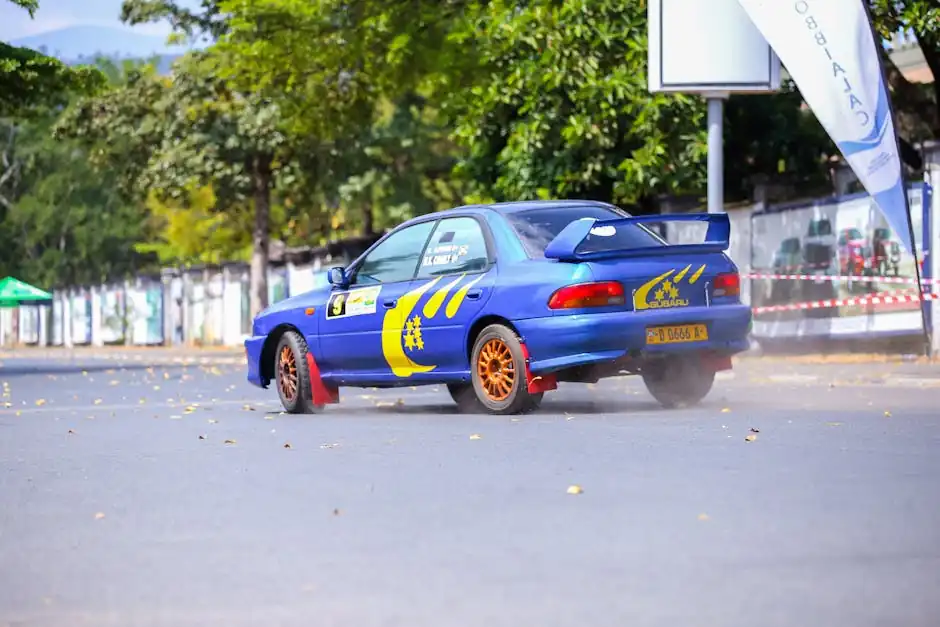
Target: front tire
292,375
497,372
679,382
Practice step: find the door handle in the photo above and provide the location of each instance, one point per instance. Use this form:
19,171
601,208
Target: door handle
475,294
389,303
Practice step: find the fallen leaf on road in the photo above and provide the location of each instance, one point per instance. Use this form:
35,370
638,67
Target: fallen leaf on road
98,401
703,516
753,430
750,438
202,437
476,436
887,414
833,424
156,387
726,410
84,373
99,515
575,489
248,408
71,432
40,402
166,375
336,512
400,402
287,445
115,382
230,442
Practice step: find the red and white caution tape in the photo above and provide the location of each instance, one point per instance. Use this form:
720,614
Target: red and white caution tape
835,277
891,298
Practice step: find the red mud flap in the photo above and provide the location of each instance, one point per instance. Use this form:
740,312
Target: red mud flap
320,393
537,384
717,362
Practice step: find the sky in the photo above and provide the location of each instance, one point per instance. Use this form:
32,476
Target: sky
55,14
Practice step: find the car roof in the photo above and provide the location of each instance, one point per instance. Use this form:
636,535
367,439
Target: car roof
512,207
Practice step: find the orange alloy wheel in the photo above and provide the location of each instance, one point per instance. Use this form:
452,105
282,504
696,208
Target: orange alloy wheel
497,370
288,367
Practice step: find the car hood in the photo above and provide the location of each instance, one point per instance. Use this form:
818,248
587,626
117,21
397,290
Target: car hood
314,297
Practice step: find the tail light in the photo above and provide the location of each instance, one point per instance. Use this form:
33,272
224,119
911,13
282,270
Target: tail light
601,294
727,284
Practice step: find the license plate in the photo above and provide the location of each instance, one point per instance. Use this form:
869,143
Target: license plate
677,334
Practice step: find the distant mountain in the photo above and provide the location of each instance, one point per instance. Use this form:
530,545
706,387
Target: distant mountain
84,43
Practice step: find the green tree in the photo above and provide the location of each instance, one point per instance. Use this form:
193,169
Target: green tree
559,106
917,106
772,137
28,78
61,221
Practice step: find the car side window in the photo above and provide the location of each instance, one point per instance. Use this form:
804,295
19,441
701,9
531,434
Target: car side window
457,245
396,258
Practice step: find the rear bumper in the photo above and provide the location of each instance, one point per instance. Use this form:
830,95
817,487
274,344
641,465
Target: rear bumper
253,347
559,342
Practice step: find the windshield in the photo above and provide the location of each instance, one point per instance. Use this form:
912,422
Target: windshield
537,227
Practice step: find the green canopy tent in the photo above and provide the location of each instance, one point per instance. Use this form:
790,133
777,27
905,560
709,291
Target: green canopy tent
14,293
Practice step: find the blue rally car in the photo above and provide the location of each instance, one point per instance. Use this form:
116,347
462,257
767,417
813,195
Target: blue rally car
501,302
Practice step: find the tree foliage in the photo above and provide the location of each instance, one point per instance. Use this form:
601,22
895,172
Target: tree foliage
307,121
917,106
29,79
62,221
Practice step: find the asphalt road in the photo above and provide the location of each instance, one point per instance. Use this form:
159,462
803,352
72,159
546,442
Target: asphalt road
178,495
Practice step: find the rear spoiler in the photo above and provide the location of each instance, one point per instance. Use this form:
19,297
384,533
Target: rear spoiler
565,245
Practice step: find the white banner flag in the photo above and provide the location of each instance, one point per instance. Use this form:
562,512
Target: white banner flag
828,48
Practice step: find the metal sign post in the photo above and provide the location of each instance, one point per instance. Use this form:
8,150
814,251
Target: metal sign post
686,56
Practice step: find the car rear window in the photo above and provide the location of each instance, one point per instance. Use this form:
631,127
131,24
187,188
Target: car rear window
537,227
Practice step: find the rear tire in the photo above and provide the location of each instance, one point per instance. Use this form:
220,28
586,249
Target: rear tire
292,375
679,382
497,373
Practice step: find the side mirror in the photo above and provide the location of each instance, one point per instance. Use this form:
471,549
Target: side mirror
337,277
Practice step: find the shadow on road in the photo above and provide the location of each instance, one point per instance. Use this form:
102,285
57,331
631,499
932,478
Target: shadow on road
548,408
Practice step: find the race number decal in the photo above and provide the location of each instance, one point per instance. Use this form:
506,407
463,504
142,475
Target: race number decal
353,303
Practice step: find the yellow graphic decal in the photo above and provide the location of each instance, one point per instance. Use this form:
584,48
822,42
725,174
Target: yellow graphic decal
457,299
642,294
682,274
413,339
666,292
434,303
395,331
